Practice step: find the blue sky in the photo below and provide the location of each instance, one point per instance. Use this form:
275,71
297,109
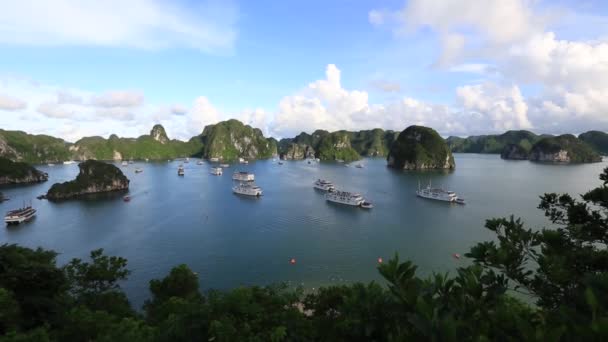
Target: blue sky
460,66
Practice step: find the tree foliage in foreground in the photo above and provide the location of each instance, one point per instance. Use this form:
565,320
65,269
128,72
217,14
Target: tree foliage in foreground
533,285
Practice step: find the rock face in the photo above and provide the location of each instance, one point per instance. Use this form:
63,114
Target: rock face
298,152
230,140
343,145
158,133
94,177
155,146
420,148
19,173
563,149
514,152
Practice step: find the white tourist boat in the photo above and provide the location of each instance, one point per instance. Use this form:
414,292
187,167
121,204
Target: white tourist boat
345,197
187,160
124,163
243,161
439,194
68,162
243,176
216,171
51,164
214,159
180,171
247,189
200,162
224,165
20,215
324,185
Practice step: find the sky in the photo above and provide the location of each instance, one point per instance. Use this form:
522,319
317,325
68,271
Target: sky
74,68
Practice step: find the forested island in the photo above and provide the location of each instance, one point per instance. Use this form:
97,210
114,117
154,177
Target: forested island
420,148
528,284
19,173
231,139
94,177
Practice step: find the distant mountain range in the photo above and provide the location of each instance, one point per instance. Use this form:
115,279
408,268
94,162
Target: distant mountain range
230,140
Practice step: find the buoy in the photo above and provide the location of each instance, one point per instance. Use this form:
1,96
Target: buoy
456,256
380,260
292,261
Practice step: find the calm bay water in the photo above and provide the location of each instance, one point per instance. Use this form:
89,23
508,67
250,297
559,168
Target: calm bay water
231,240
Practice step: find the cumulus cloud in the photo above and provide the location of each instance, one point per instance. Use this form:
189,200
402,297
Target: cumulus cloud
115,113
54,110
208,26
178,110
11,103
118,99
203,113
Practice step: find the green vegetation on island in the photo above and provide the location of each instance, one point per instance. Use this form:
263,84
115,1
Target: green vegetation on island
18,173
20,146
493,143
528,284
230,140
419,148
153,146
344,145
596,139
563,149
94,177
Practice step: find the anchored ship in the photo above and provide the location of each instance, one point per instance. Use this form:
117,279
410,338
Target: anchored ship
439,194
247,189
216,171
243,176
20,215
324,185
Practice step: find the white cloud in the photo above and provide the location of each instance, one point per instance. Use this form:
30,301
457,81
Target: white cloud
66,97
115,113
178,109
54,110
11,103
118,99
207,26
203,113
502,108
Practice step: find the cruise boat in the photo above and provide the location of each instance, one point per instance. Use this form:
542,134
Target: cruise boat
187,160
438,194
324,185
200,162
243,176
124,163
340,160
214,159
216,171
138,170
20,215
68,162
344,197
224,165
247,189
51,164
180,171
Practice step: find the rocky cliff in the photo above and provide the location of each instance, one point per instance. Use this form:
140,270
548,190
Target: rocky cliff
514,152
155,146
19,173
230,140
419,148
563,149
20,146
94,177
297,152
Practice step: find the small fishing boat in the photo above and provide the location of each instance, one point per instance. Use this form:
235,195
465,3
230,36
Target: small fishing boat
51,164
216,171
180,171
127,198
214,159
366,205
200,162
138,170
224,165
20,215
124,163
187,160
359,166
281,163
68,162
130,162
